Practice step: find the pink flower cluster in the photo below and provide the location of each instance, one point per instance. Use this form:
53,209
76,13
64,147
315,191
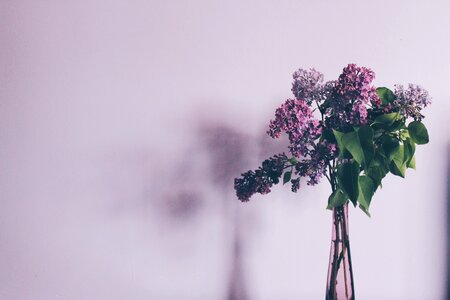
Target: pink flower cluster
352,95
350,101
296,119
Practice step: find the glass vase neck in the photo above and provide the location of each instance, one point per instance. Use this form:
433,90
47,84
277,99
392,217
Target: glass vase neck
340,273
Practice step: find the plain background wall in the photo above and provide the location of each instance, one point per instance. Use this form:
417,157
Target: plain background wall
100,108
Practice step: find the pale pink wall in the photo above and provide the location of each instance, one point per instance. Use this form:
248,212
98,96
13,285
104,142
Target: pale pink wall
100,105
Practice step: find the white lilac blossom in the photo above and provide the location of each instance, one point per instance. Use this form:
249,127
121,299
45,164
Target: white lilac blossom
409,101
307,85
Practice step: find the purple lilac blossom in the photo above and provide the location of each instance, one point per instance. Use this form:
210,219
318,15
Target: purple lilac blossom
349,101
296,119
352,94
316,166
295,184
261,180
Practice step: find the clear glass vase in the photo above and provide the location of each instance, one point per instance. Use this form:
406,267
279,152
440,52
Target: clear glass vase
340,273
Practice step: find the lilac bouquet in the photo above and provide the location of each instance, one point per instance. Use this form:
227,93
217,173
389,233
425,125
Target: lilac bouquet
353,134
348,131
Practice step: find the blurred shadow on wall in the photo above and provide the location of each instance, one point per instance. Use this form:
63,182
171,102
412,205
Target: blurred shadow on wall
182,198
178,196
232,153
228,152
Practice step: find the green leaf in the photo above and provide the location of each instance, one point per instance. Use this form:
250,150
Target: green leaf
409,150
366,140
338,135
366,191
412,163
336,198
418,132
376,173
398,164
398,156
398,170
398,124
378,169
387,119
293,160
386,95
348,179
381,162
328,135
287,177
365,211
351,142
390,146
